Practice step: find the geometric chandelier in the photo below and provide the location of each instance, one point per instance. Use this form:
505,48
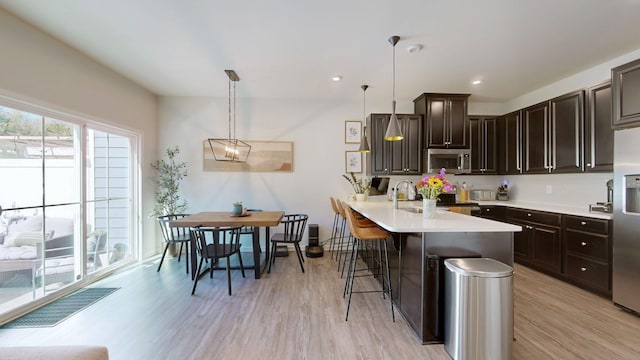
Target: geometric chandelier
230,149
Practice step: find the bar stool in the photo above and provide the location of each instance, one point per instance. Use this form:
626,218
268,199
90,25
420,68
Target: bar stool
360,221
361,236
336,227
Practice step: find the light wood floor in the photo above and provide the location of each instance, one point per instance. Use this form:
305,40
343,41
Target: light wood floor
290,315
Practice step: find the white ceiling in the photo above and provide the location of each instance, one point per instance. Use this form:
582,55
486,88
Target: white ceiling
291,48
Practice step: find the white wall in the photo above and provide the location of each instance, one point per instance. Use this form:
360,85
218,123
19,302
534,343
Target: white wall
39,71
315,127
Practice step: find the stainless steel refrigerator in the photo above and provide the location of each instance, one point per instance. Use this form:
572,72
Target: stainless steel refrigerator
626,219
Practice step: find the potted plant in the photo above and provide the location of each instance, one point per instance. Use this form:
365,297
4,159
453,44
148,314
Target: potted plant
168,176
360,186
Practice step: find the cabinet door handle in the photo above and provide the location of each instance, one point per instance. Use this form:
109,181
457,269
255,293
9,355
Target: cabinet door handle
583,269
583,223
529,215
583,243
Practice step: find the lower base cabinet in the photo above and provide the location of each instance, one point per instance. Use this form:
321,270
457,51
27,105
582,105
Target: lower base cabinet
588,253
574,249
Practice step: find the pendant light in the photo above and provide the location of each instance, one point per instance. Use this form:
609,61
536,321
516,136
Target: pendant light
393,130
364,144
230,149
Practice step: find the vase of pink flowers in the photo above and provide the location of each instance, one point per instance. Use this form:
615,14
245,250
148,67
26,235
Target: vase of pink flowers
430,187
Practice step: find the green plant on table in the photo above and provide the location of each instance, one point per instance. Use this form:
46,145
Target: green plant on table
360,186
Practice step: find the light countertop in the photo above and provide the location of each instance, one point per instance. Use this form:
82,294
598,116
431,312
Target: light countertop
382,213
562,209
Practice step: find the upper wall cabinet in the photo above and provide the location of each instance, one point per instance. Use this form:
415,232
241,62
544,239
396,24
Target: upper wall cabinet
536,137
567,126
402,157
625,81
483,144
553,135
445,119
598,132
510,143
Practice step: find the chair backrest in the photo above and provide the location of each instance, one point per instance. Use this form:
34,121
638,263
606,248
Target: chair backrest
340,208
351,221
294,225
333,205
170,234
216,243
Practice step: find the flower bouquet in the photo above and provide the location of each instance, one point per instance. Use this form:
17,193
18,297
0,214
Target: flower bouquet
432,186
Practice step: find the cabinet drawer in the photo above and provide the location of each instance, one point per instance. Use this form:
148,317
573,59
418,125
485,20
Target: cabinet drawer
592,245
540,217
587,272
587,224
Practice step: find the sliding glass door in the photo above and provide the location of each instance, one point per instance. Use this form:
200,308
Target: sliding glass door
66,204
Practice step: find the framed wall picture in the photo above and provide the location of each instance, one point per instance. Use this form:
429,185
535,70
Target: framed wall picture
353,161
352,131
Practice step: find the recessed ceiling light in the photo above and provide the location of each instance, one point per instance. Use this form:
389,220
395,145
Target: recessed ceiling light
476,82
414,48
336,78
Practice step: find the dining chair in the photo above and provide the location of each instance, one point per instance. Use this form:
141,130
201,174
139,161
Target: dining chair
174,235
294,225
216,243
248,230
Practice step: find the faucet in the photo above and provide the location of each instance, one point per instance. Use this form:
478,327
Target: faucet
395,192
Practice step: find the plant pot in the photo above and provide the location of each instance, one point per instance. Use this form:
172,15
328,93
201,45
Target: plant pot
428,208
361,197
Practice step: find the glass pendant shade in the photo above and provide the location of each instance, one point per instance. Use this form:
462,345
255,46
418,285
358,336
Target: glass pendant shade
230,149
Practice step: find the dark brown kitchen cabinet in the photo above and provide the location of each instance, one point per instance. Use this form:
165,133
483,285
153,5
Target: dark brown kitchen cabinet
445,119
598,149
539,244
482,142
510,143
567,128
588,253
378,158
625,86
493,212
552,138
406,155
395,157
535,121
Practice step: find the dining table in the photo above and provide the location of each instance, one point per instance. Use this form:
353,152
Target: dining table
249,219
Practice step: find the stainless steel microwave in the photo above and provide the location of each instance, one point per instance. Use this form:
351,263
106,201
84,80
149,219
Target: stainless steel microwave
455,161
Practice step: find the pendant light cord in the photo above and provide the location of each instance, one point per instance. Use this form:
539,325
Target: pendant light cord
229,136
394,72
234,109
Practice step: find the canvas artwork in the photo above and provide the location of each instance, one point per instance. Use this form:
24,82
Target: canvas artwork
265,156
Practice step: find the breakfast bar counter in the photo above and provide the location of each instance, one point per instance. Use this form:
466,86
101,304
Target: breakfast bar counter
417,249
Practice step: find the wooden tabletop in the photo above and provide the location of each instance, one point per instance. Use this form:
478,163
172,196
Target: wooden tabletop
225,218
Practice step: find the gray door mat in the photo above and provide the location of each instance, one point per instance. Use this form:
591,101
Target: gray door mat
59,310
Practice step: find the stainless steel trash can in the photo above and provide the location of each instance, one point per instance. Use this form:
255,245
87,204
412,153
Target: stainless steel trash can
478,309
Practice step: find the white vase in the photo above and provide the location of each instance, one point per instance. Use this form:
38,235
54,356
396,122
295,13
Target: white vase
428,208
361,197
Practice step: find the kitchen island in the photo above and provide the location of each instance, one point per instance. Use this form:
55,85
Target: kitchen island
416,251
